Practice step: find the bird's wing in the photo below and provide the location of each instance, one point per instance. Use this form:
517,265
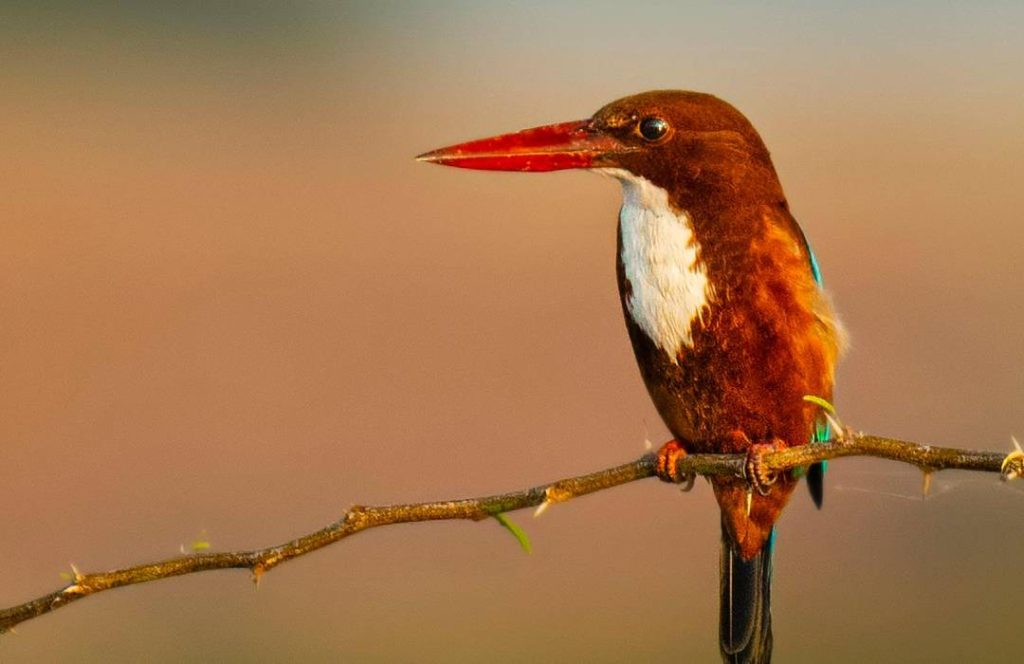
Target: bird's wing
822,427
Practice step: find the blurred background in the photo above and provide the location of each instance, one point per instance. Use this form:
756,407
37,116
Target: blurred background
233,305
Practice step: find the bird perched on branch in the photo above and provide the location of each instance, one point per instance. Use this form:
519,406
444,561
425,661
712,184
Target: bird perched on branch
723,303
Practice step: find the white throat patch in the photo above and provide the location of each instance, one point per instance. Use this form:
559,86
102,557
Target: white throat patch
670,288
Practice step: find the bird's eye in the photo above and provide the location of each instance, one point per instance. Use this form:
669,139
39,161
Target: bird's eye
653,128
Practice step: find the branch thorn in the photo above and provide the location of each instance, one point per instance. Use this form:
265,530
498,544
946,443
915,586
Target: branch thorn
258,571
552,494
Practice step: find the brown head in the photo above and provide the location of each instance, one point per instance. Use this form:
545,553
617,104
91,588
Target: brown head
694,145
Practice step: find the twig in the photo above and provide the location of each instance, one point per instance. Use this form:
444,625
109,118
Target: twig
357,519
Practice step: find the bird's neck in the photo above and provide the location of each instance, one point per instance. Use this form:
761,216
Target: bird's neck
666,286
679,265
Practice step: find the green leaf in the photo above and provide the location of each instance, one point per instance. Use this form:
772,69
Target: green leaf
201,543
820,402
516,531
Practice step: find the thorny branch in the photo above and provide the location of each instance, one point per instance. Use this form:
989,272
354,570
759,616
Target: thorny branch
258,561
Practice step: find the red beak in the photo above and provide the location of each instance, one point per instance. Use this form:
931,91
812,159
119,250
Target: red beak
549,148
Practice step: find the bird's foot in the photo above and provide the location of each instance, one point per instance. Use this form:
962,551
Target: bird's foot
666,465
760,478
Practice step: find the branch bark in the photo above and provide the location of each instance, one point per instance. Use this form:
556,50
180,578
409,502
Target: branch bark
359,518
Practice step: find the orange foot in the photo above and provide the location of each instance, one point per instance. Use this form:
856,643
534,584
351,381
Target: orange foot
761,478
667,461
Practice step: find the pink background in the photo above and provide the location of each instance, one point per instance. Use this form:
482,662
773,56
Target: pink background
233,304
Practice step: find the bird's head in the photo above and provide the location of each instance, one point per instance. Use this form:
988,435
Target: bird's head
688,143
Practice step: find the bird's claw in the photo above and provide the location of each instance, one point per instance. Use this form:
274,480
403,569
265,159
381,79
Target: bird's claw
760,478
667,462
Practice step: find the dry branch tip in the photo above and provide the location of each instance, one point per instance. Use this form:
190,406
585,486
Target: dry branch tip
1012,467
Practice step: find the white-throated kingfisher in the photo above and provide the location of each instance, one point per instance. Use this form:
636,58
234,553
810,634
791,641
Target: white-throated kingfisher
723,303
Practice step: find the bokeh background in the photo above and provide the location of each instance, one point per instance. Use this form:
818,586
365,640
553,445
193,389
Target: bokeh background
232,306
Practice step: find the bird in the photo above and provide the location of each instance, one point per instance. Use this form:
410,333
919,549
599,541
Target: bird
733,333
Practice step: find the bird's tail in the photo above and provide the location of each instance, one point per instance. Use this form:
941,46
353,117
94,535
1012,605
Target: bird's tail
745,621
